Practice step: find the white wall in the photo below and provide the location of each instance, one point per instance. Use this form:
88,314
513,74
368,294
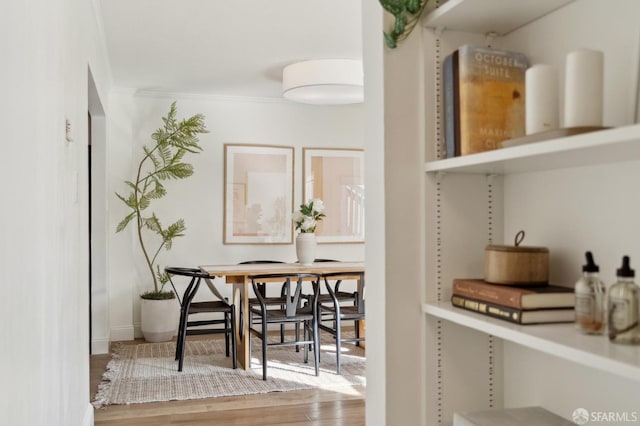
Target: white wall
120,265
47,49
50,46
404,214
199,199
376,405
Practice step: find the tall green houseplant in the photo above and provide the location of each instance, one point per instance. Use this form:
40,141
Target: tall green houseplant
162,160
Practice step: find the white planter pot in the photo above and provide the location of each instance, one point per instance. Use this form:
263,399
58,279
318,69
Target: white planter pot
159,319
306,248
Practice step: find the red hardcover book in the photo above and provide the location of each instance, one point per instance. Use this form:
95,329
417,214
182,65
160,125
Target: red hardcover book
519,297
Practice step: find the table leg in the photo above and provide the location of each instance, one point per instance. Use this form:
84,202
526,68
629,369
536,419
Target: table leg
361,298
241,301
361,332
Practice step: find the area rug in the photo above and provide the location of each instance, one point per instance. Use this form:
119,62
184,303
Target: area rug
147,372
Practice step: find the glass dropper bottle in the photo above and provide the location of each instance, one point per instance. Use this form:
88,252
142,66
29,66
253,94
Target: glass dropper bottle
590,299
623,307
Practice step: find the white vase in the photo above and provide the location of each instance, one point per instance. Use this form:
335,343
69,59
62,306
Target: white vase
306,248
159,319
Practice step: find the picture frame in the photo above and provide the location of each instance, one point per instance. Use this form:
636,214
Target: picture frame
336,176
258,194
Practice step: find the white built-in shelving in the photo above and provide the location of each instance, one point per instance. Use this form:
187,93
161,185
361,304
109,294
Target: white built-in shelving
561,340
489,16
600,147
469,210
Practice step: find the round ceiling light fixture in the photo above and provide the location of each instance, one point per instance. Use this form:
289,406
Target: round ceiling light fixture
324,82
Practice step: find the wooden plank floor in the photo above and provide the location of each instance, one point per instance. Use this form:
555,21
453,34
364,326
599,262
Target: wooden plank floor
305,407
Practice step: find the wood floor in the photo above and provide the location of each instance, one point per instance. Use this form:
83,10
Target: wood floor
305,407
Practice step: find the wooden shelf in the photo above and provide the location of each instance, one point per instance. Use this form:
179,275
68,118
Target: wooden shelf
561,340
601,147
489,16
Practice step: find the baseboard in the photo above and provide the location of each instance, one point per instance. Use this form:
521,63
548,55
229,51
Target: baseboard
137,330
122,333
88,416
100,346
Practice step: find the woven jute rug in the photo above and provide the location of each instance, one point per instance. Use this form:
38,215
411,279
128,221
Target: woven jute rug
147,372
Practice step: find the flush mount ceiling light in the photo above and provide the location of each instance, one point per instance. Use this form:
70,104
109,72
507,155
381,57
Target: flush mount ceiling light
324,82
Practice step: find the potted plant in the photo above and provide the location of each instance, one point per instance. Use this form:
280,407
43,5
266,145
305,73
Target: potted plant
306,219
162,160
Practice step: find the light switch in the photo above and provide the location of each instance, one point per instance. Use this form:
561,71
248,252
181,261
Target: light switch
67,130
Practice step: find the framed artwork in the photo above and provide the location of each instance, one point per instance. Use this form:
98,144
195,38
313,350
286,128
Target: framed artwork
336,176
258,194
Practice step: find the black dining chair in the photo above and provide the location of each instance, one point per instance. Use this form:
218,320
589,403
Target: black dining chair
348,297
188,307
293,312
337,313
262,288
342,296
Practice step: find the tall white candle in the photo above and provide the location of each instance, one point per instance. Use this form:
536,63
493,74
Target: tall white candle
584,81
541,98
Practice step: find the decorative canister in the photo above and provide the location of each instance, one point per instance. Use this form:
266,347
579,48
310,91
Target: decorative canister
516,265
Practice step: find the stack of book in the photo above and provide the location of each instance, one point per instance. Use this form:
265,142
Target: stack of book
518,304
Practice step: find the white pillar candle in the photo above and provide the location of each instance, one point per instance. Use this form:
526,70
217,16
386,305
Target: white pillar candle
584,81
541,99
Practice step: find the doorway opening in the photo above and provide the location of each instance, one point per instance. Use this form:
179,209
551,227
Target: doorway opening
97,233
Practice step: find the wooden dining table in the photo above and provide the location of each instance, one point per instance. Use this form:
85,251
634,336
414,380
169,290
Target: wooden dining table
239,275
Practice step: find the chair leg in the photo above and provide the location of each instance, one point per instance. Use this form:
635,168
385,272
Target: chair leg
234,346
338,342
264,347
183,338
248,335
319,322
357,325
316,344
226,334
181,325
305,328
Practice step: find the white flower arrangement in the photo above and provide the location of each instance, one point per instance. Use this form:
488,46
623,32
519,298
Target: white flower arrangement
307,217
